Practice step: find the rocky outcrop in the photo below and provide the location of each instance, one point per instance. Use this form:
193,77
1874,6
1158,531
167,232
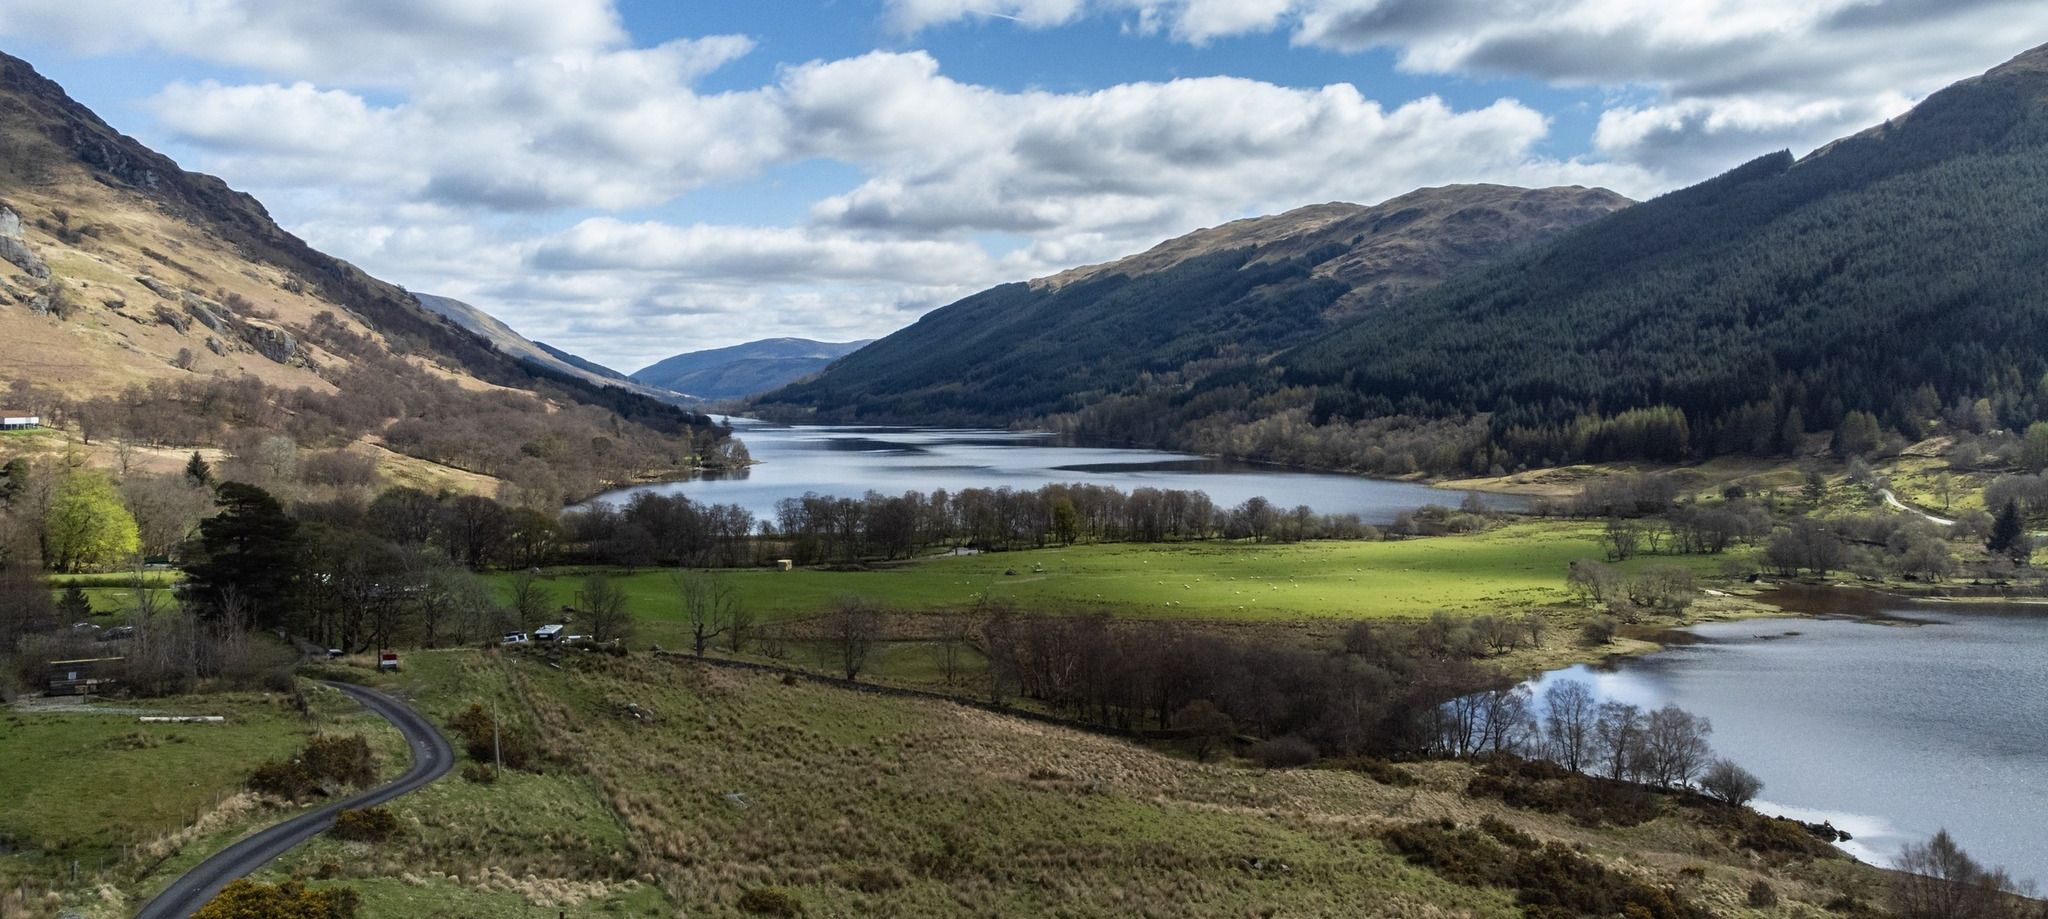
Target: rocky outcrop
275,344
170,317
209,314
15,250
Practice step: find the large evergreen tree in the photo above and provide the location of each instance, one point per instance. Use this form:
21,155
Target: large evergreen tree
2009,534
250,551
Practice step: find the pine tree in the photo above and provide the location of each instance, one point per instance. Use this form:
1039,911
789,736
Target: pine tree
197,471
2009,534
74,605
251,549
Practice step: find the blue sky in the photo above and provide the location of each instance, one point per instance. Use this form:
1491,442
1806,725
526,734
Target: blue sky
629,178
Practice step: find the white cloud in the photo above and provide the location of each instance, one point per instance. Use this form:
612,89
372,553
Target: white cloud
350,41
477,160
1729,79
524,155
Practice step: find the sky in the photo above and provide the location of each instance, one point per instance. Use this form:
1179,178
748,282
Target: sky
630,179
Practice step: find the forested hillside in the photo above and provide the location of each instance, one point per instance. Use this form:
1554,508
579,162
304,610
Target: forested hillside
1217,298
1887,285
1896,273
744,370
148,311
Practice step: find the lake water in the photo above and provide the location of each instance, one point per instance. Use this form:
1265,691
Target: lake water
1891,727
850,461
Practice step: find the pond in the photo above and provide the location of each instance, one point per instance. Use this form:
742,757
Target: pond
850,461
1893,722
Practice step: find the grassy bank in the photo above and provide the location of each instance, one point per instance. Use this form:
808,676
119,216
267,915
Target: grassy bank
720,787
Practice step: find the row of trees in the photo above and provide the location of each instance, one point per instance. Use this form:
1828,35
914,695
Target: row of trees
1667,747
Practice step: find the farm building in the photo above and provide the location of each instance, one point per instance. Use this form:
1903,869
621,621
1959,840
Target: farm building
11,420
81,677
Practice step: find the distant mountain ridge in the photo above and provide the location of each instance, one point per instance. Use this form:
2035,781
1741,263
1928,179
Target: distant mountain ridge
521,348
580,362
740,371
1227,296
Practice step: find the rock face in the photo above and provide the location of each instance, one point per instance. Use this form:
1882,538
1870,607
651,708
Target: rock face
274,344
14,250
208,314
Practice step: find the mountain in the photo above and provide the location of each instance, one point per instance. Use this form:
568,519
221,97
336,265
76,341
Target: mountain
1896,273
519,347
581,363
745,370
1227,296
161,310
1890,280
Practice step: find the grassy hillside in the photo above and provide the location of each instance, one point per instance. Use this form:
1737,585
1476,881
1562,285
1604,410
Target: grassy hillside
158,307
1221,297
736,793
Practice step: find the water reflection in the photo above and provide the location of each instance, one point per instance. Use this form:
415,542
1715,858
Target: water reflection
851,461
1895,723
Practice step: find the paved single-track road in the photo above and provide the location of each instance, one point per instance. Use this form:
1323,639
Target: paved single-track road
432,757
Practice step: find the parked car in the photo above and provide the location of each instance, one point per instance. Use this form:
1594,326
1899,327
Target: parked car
514,638
334,654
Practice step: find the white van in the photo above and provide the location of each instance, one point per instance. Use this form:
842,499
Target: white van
514,638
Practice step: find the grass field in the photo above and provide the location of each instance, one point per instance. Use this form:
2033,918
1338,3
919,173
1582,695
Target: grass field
92,784
530,844
1514,567
850,804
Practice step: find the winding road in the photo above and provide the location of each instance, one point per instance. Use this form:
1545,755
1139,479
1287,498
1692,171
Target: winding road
432,757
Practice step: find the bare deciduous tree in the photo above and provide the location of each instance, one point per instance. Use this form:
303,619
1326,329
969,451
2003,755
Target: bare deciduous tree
1569,718
1939,880
852,628
603,605
711,606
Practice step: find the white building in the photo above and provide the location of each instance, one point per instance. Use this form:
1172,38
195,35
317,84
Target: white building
19,421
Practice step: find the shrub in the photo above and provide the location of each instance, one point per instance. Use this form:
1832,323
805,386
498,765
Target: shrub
1460,855
1383,772
877,878
480,773
769,901
1600,631
370,824
327,765
1506,833
1543,786
488,741
1773,836
1284,753
1555,882
245,899
1762,895
1730,784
